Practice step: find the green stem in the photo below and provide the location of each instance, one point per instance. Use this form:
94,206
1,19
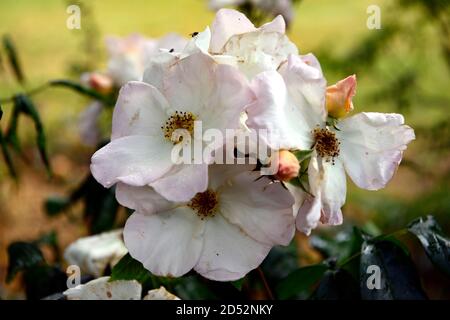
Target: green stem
28,93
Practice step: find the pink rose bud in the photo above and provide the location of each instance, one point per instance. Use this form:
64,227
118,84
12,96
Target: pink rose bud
100,82
288,166
339,97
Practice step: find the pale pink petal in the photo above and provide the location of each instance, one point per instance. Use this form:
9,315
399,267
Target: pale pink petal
135,160
306,86
263,210
183,182
273,111
372,146
228,253
217,94
259,51
157,67
140,110
167,243
226,24
309,213
88,124
143,199
276,25
189,83
333,192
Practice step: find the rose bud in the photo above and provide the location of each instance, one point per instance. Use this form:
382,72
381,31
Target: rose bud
339,97
288,166
100,82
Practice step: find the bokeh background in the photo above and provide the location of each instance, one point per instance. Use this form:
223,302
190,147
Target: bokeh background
403,67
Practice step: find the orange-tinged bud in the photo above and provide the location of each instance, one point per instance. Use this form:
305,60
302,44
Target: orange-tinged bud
288,166
339,97
100,82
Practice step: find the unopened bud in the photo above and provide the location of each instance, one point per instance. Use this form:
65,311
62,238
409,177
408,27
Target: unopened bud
339,97
288,166
100,82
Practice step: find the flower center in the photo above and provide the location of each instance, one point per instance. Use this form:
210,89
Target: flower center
205,203
178,121
326,143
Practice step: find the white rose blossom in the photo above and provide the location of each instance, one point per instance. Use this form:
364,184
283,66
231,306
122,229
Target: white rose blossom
128,58
271,7
234,40
147,115
94,254
222,233
368,146
104,289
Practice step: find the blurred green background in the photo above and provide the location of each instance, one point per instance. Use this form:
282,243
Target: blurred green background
403,67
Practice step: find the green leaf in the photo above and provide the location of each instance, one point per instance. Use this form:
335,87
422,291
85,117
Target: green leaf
238,283
28,108
300,281
130,269
22,256
280,262
194,288
11,136
337,285
13,58
397,275
42,281
436,245
302,155
55,205
7,156
83,90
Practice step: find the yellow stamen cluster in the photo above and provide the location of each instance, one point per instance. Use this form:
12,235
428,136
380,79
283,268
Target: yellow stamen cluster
179,120
326,144
205,203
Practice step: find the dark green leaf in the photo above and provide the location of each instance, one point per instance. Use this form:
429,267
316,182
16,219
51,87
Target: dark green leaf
11,136
337,285
193,288
303,154
397,275
42,281
300,281
280,262
22,256
55,205
28,108
83,90
7,156
130,269
238,283
433,241
13,58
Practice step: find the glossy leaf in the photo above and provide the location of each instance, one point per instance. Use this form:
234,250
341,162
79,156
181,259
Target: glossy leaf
300,281
238,283
337,285
436,245
42,281
22,256
55,205
130,269
387,273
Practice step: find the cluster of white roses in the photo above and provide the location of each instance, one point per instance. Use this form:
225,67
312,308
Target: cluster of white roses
222,219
